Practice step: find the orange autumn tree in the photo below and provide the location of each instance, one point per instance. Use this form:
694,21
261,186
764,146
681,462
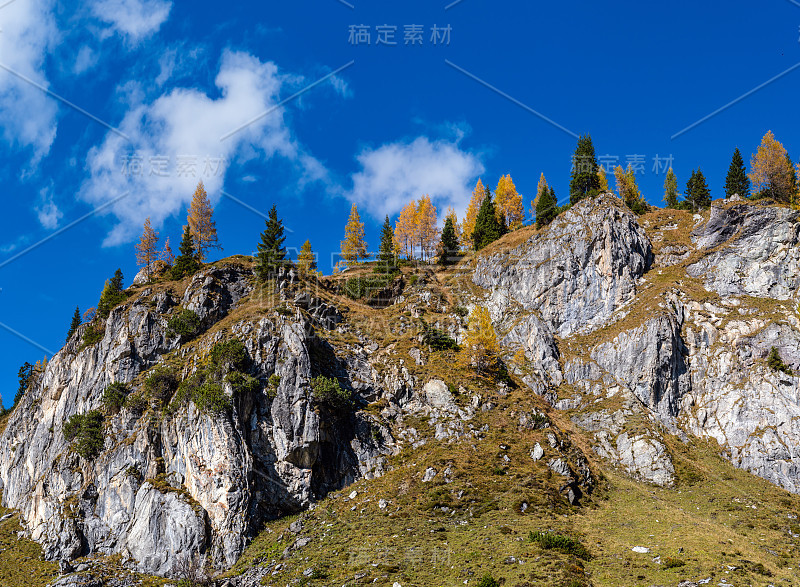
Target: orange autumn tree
404,230
769,172
354,247
201,223
426,233
478,194
146,253
508,203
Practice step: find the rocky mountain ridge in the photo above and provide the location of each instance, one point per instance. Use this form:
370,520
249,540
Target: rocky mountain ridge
636,329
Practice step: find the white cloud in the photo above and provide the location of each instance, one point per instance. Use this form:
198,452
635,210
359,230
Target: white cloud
13,246
27,114
86,59
133,19
48,213
186,125
394,174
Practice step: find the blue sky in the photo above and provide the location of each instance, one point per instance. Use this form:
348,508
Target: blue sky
162,86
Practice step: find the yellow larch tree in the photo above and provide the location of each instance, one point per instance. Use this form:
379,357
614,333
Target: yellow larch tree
508,203
481,349
306,260
478,194
354,247
426,233
201,223
404,230
146,249
769,172
601,176
166,254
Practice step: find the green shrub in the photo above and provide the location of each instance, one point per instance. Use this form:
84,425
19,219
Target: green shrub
272,385
672,563
161,383
437,339
186,390
488,581
211,399
136,403
565,544
243,383
412,280
775,362
85,433
114,397
328,391
461,311
185,324
227,355
357,288
93,334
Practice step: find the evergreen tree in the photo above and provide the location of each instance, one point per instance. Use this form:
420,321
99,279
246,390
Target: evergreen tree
698,196
584,181
487,228
792,174
25,376
387,259
306,260
186,262
271,252
112,295
546,207
449,243
737,181
671,189
76,321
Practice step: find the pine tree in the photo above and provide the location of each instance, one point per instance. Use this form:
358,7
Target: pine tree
353,246
166,254
478,194
25,376
201,223
487,228
584,181
540,189
451,213
186,262
306,260
546,207
603,180
111,295
426,233
404,230
671,189
146,249
509,203
698,196
449,243
768,172
76,322
271,252
737,181
387,261
790,172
